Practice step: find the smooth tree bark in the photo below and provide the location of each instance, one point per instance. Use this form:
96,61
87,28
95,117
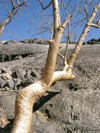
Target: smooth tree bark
30,94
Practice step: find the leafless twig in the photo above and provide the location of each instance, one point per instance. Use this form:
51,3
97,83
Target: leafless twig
46,6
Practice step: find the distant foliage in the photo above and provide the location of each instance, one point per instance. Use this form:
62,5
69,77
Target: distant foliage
94,41
34,40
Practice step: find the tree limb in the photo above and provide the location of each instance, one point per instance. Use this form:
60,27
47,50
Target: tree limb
83,35
87,2
66,51
65,22
18,2
12,3
94,25
56,14
46,6
61,55
61,75
8,19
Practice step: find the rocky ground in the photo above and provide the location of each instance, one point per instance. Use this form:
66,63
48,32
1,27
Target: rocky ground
71,106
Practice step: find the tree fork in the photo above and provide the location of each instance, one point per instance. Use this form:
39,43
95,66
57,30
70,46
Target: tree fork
53,51
29,95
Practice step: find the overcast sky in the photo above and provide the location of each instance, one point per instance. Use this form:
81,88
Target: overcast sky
19,28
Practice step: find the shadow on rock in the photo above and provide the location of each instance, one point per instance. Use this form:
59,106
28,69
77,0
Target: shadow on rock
44,99
7,128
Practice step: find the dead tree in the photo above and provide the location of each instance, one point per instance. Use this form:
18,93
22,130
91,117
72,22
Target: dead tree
30,94
12,13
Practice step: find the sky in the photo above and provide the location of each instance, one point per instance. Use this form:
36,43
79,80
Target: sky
23,26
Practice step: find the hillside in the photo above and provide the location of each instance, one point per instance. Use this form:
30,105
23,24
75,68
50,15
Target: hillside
71,106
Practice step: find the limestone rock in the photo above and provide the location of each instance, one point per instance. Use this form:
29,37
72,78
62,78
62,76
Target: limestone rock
10,84
5,76
19,73
2,83
5,70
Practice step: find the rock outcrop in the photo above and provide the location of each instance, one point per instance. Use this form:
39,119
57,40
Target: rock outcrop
19,50
71,106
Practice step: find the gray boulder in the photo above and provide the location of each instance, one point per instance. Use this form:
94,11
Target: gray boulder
19,73
5,76
7,101
10,84
9,52
2,83
5,70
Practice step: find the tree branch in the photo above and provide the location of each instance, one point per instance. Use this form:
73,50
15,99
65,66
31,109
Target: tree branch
83,35
66,51
46,6
12,3
65,22
61,55
8,19
56,14
18,2
87,2
94,25
61,75
21,4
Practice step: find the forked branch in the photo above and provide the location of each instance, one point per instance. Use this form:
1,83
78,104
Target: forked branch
29,95
46,6
87,2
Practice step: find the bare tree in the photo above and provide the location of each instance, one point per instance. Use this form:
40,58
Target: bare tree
46,19
30,94
45,27
15,4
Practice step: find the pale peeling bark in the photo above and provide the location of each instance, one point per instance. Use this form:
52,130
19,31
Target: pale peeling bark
73,56
52,53
29,95
24,106
61,75
56,11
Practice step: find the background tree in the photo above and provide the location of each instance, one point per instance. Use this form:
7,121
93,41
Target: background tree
15,6
46,25
30,94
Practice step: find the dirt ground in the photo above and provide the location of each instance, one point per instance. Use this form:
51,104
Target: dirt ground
71,106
